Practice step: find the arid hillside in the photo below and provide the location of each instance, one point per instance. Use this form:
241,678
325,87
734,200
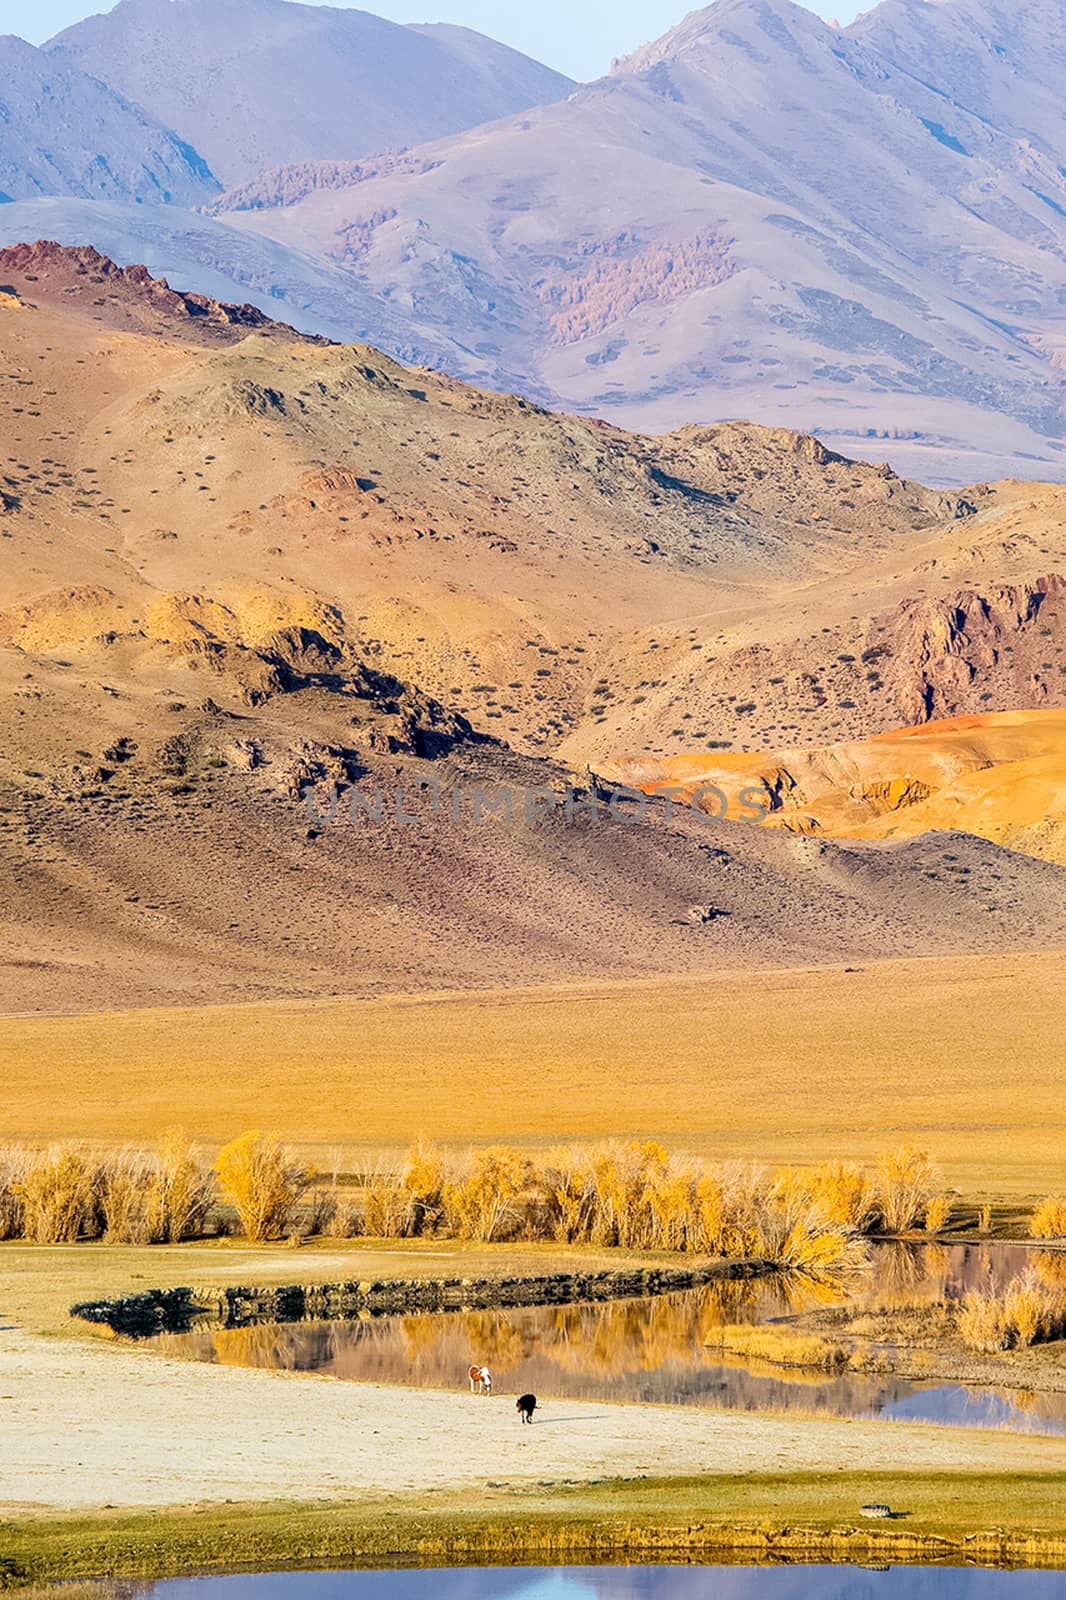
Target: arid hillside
1001,775
244,571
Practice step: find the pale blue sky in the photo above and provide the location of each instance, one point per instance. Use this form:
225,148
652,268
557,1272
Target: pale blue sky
576,36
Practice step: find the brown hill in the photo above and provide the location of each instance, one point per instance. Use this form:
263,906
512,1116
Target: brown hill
242,567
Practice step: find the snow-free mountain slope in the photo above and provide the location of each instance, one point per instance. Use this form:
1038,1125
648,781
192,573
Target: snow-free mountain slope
1003,61
244,571
760,215
63,132
254,84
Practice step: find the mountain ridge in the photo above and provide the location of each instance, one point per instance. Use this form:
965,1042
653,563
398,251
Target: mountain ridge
101,145
254,84
924,273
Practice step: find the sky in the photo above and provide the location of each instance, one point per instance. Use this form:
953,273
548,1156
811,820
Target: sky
578,37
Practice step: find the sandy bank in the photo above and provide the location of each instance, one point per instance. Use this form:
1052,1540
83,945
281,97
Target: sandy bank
88,1426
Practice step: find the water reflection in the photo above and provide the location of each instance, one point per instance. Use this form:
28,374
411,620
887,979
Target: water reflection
656,1350
631,1583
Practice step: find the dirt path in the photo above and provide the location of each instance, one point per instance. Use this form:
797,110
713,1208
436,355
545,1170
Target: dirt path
88,1426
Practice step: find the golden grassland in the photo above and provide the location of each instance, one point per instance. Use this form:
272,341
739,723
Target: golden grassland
965,1056
973,1517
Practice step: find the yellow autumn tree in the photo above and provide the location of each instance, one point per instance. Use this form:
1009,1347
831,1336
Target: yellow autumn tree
482,1204
266,1183
1048,1221
423,1180
59,1192
905,1182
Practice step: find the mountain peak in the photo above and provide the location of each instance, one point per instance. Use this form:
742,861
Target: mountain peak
754,24
258,84
66,131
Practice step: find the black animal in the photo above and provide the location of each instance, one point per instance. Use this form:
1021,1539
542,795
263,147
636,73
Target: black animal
525,1405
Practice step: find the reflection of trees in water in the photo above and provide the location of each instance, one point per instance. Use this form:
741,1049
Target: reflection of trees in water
272,1345
1047,1407
652,1349
1051,1268
907,1273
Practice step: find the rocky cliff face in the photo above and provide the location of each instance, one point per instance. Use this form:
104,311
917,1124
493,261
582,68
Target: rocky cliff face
1003,647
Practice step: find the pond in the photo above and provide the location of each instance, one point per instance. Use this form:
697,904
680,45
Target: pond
629,1583
656,1349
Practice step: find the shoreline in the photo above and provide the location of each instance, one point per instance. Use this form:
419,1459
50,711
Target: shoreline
758,1520
182,1310
89,1422
309,1471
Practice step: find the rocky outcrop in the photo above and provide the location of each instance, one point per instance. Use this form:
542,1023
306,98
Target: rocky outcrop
176,1310
47,265
957,654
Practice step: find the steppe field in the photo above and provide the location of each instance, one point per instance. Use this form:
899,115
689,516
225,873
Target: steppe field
965,1056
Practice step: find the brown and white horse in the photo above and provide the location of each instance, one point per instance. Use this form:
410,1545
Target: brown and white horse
480,1380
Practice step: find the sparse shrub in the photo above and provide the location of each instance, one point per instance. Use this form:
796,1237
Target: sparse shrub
1049,1219
186,1189
1028,1312
979,1322
570,1186
13,1163
937,1213
386,1206
156,1198
264,1181
839,1189
984,1221
127,1198
791,1226
322,1213
905,1183
60,1195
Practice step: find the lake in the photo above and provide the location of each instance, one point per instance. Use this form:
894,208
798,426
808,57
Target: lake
654,1350
628,1583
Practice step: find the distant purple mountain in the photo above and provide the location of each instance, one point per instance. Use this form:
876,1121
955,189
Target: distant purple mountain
253,84
859,231
63,132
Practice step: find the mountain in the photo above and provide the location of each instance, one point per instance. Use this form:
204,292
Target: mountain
857,232
63,132
1002,63
255,84
249,576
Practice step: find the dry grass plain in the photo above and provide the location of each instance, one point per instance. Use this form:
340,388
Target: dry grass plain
965,1055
